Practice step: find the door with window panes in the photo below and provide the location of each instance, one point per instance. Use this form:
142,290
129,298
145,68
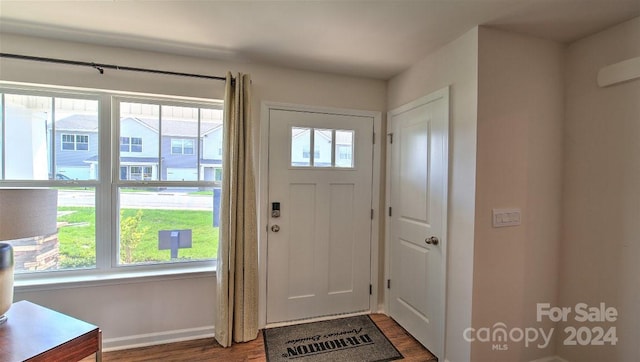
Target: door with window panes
320,177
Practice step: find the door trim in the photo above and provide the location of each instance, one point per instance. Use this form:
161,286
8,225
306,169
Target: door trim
441,93
263,196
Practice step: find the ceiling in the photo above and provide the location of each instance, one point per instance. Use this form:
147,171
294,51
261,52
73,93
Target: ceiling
375,39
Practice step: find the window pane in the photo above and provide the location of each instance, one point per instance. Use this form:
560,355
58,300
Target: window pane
136,144
300,146
188,147
82,143
179,131
322,147
211,142
76,137
73,246
30,131
27,122
181,225
1,136
125,144
139,124
344,149
176,146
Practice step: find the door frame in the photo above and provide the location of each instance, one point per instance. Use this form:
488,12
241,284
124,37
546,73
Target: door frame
440,93
263,196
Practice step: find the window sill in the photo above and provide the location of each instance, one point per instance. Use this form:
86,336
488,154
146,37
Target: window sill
97,279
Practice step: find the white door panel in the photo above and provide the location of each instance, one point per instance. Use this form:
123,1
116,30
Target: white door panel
318,262
418,160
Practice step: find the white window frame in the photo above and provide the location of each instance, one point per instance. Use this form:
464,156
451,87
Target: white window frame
106,188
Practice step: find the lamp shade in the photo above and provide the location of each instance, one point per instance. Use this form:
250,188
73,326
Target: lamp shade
27,213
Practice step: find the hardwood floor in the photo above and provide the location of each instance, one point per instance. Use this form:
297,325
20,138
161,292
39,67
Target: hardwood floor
209,350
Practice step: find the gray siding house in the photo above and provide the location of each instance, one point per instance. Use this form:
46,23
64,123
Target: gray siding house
144,155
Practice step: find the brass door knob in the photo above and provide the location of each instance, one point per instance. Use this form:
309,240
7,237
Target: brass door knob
275,228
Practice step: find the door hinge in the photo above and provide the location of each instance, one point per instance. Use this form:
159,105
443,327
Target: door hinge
370,289
374,138
390,137
390,212
388,283
371,214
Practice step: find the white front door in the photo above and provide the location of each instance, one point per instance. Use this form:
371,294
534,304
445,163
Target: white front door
418,160
320,179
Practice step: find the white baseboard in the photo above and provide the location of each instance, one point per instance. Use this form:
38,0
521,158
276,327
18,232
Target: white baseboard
151,339
550,359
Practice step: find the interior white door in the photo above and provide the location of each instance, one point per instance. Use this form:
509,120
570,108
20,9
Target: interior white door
418,201
318,251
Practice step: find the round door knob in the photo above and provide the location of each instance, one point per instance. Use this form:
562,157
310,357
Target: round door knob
275,228
432,240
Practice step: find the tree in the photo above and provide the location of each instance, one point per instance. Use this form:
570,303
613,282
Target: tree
130,235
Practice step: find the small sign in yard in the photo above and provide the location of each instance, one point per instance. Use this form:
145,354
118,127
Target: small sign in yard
174,240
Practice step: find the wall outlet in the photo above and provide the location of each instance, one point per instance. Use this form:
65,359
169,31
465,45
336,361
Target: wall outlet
506,217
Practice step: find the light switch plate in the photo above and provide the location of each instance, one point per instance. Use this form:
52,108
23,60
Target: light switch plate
506,217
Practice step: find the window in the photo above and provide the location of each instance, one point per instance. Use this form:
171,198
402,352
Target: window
344,148
217,174
130,144
75,142
182,147
142,217
332,147
137,173
306,153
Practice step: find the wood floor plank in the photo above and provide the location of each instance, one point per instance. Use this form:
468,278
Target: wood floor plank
209,350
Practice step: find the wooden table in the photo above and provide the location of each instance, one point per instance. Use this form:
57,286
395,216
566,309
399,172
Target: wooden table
35,333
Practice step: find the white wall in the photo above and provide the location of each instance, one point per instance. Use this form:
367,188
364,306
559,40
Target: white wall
455,64
506,144
519,165
600,248
130,311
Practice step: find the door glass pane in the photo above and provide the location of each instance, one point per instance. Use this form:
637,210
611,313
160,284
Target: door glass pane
323,139
344,149
300,146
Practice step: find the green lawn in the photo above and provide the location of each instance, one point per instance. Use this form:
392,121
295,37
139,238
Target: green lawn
77,239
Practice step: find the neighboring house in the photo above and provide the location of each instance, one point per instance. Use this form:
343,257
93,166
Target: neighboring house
142,155
76,141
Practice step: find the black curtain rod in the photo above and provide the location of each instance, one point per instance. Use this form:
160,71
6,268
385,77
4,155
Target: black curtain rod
101,67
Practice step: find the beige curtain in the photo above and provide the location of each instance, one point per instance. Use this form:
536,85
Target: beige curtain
237,272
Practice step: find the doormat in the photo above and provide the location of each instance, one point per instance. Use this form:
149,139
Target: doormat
346,339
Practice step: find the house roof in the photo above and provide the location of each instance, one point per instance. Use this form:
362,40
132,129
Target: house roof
78,122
